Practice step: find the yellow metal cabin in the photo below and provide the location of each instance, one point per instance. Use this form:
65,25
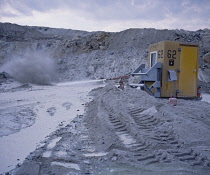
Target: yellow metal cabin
172,70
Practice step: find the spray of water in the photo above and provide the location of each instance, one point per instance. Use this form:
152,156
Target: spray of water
35,67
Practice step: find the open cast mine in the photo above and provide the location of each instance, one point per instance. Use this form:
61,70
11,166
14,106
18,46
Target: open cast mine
67,107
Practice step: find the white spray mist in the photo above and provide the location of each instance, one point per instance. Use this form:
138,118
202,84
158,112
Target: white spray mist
35,67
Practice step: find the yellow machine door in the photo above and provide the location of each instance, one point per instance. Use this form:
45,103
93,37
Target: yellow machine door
188,72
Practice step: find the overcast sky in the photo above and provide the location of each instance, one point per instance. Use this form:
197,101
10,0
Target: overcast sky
108,15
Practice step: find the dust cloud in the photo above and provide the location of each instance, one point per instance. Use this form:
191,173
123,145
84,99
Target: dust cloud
36,67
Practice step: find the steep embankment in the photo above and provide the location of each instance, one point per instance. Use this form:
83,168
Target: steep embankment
81,55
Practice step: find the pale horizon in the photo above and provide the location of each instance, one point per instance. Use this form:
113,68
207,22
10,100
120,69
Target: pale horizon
110,15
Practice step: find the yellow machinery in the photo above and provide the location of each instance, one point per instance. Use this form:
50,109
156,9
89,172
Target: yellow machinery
172,70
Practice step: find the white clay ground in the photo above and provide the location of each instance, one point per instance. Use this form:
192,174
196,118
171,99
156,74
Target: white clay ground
121,132
29,113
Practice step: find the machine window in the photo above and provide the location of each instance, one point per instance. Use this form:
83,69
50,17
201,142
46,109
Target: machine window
153,58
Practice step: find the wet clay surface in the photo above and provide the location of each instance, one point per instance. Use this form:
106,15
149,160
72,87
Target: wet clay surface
127,132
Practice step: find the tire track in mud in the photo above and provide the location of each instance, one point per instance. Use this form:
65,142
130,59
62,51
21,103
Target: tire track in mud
153,128
155,145
166,138
158,145
76,154
143,121
137,147
117,137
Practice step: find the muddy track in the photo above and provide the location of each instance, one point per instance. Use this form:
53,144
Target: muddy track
114,137
167,139
154,140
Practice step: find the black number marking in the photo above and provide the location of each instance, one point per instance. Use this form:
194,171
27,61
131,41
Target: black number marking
169,53
172,54
160,53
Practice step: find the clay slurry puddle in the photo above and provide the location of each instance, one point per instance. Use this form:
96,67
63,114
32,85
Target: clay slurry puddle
16,147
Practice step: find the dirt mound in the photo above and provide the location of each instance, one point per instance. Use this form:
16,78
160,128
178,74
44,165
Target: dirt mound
206,58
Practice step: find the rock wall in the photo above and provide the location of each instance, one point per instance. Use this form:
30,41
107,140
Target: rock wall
83,55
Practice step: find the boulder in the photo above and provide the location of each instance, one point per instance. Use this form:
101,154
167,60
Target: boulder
206,58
